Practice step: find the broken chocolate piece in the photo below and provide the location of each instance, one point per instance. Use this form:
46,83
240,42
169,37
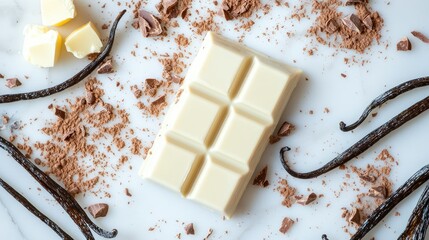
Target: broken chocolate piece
127,192
274,139
59,113
404,45
92,56
90,98
367,21
12,82
136,91
1,76
170,8
225,14
353,23
152,86
189,229
420,36
286,225
150,26
106,67
158,102
355,217
261,179
98,210
354,2
286,129
368,178
332,26
5,119
378,192
307,199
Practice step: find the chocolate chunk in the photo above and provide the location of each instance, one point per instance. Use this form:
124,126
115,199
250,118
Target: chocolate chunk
332,26
92,56
152,86
354,2
136,91
12,82
106,67
150,26
5,119
420,36
127,192
98,210
170,8
285,129
353,23
367,21
90,97
1,76
158,102
368,178
59,113
74,191
261,179
225,14
189,229
176,79
378,192
307,199
404,45
184,13
274,139
37,161
355,217
286,225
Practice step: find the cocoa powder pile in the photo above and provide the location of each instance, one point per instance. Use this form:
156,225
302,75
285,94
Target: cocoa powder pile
75,152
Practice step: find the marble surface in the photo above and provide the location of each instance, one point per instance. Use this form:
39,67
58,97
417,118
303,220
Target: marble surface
317,136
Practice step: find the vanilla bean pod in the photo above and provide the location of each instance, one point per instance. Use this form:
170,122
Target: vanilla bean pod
383,98
418,222
362,145
24,202
78,77
418,179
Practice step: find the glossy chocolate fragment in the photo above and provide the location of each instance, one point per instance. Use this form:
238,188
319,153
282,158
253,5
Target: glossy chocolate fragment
98,210
150,26
404,45
353,22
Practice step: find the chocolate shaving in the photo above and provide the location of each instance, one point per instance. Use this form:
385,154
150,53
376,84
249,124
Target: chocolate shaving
261,179
378,192
420,36
98,210
355,216
152,86
286,225
307,199
232,9
286,129
404,45
189,229
150,26
12,83
353,22
106,67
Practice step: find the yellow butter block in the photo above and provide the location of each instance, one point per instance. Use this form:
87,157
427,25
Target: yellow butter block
83,41
42,46
57,12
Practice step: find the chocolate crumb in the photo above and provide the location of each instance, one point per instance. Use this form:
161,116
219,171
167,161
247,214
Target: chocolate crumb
261,179
378,192
286,129
420,36
5,119
90,97
232,9
1,76
355,217
151,87
98,210
274,139
37,161
12,83
353,2
106,67
127,192
307,199
209,233
189,229
286,225
404,45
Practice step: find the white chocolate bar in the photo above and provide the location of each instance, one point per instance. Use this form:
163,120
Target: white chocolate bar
214,135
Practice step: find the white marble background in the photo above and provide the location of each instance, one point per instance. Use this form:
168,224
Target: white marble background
260,212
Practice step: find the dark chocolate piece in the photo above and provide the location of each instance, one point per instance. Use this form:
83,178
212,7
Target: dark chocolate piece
274,139
261,179
12,83
152,86
286,225
150,26
286,129
98,210
106,67
404,45
378,192
420,36
353,22
81,75
5,119
59,113
189,229
355,216
332,26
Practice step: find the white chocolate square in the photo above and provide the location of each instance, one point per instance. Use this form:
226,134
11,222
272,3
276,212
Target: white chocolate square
84,41
57,12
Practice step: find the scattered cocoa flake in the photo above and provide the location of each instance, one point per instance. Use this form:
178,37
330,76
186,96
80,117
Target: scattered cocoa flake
232,9
378,192
286,129
105,26
404,45
150,25
181,40
106,67
158,105
261,179
12,83
37,161
420,36
343,75
136,146
287,192
5,119
353,23
307,199
385,155
1,76
98,210
209,233
59,113
286,225
92,56
170,9
274,139
136,91
127,192
189,229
